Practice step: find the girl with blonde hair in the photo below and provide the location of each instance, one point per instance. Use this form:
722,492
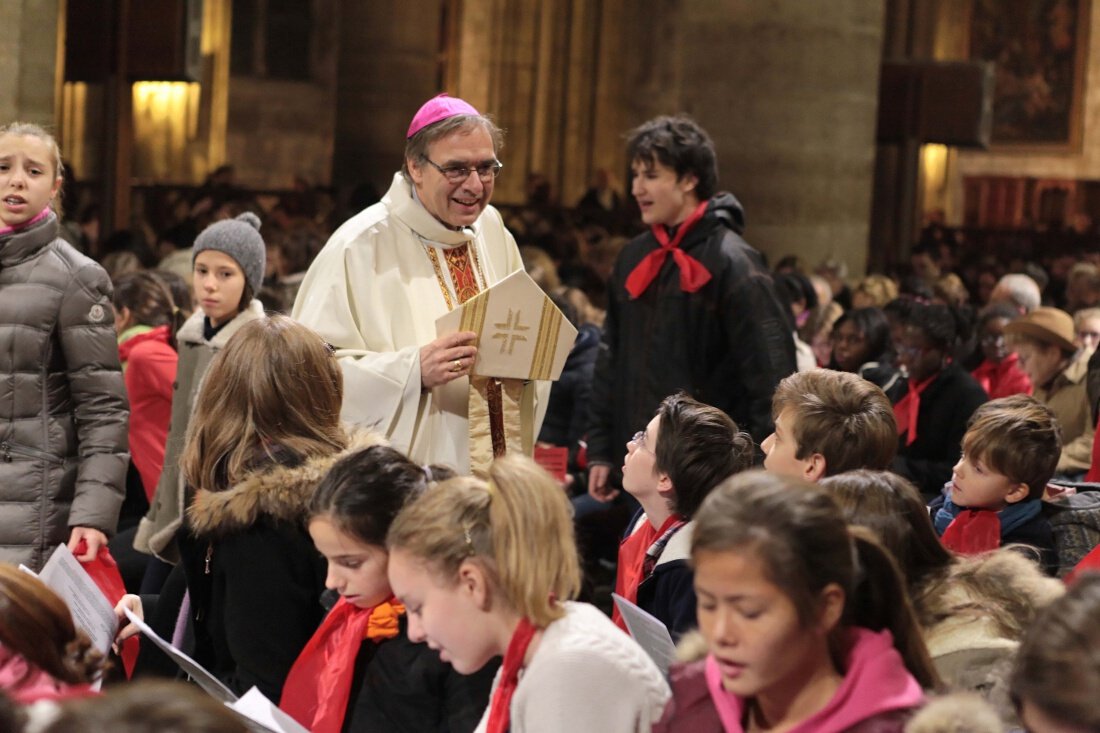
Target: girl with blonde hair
490,568
266,430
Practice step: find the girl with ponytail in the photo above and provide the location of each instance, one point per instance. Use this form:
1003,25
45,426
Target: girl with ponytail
361,672
806,621
489,568
146,319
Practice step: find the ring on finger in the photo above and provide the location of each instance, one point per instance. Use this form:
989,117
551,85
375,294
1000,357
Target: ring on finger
456,365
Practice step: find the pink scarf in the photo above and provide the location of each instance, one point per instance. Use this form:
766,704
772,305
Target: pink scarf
27,224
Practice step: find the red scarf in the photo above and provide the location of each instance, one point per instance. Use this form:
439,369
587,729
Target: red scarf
318,687
973,531
692,273
501,704
908,408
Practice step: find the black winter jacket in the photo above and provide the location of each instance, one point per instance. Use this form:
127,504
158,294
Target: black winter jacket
403,687
727,345
945,408
63,407
255,580
669,592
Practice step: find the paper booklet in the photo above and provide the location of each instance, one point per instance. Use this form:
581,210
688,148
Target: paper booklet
92,612
260,714
650,633
521,333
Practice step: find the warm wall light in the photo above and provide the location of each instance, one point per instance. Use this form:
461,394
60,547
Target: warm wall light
166,119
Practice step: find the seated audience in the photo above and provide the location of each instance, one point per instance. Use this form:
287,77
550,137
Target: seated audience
360,672
999,372
1086,330
488,568
266,430
931,407
861,345
1057,670
996,493
1018,291
874,291
1044,341
828,422
686,450
972,610
806,621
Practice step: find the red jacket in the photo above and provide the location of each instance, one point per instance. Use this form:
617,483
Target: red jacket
1002,379
150,370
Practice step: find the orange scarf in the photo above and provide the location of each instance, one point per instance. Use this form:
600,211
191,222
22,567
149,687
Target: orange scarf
318,687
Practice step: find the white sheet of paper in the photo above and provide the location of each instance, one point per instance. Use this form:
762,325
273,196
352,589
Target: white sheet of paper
92,612
649,632
208,682
258,709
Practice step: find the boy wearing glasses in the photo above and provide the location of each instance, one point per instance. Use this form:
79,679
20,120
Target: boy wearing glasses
378,286
686,450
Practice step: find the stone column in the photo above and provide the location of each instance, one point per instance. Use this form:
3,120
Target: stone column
788,90
28,56
388,65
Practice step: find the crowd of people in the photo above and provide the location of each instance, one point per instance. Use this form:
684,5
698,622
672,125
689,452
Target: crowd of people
855,505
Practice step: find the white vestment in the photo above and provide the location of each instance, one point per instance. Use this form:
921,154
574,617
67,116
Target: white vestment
375,291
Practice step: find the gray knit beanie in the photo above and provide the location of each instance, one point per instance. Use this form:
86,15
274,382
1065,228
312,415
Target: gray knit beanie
240,239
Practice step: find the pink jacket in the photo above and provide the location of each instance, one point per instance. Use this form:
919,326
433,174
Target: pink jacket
877,695
26,685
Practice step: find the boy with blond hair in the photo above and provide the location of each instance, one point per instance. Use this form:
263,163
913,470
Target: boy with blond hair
1009,453
829,422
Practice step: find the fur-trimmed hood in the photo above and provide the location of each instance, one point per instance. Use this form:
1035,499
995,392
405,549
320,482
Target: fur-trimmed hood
278,492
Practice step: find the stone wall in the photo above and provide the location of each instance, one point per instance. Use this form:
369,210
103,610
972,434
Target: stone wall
28,57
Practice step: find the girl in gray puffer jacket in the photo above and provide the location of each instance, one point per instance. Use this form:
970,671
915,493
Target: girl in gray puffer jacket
63,408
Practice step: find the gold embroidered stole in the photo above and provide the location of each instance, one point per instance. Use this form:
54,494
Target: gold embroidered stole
495,405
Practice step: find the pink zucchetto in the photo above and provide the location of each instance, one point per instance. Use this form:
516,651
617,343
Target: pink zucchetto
439,108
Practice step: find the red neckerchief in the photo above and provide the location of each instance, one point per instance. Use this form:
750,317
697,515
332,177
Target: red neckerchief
318,687
501,704
908,408
973,531
692,273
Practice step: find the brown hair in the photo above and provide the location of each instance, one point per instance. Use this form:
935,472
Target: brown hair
892,508
518,527
147,706
29,129
149,298
37,625
1017,436
275,384
416,147
799,534
1058,664
842,416
698,446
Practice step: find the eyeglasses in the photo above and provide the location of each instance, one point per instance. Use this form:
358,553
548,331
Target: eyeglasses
639,441
458,173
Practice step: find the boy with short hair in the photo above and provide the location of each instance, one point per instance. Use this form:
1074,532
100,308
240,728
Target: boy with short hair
686,450
1009,453
829,422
